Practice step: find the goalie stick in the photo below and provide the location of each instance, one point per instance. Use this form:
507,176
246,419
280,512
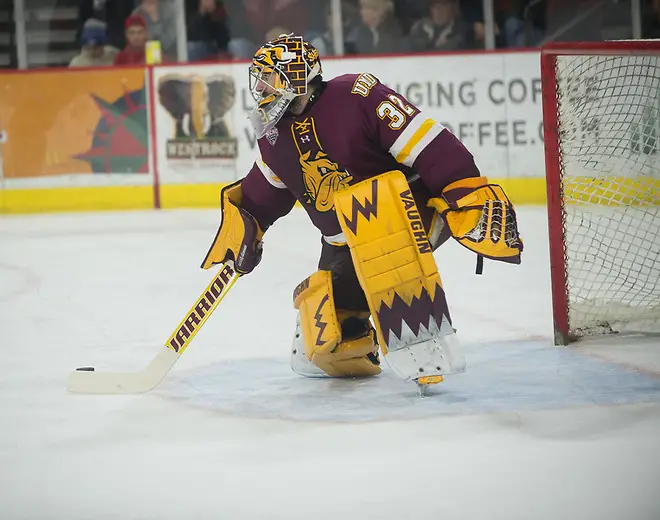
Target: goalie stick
88,381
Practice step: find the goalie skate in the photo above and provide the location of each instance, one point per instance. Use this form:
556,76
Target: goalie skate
427,356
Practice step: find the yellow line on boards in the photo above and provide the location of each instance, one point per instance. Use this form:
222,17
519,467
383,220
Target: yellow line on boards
44,200
48,200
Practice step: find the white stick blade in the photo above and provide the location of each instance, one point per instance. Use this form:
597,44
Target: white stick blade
92,382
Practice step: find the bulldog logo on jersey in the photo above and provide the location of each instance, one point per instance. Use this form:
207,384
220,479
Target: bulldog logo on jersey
322,176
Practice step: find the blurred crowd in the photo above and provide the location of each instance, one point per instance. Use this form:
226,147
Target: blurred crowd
116,31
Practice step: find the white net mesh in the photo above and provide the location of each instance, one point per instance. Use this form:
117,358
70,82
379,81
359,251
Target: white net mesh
609,140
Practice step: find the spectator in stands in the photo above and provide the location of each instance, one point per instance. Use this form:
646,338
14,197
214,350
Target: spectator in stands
208,35
136,41
379,32
112,12
95,51
160,18
442,30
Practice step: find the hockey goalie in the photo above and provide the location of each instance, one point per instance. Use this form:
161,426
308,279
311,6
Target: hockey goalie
385,185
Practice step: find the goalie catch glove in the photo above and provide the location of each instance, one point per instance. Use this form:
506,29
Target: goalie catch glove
239,236
481,217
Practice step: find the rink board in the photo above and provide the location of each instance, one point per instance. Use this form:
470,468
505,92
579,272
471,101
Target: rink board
105,139
501,377
530,190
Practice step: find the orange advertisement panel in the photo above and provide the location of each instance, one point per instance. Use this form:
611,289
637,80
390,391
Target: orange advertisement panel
73,122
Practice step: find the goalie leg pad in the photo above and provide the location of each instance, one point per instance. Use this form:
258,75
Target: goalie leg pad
396,269
325,340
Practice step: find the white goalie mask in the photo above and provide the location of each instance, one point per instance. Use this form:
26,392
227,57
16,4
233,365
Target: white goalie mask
280,72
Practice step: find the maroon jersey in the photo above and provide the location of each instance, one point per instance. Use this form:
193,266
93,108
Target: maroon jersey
355,129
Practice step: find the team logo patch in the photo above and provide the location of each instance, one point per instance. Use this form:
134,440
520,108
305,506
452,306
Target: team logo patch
271,136
321,175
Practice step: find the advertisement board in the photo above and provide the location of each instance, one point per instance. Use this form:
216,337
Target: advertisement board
196,138
182,131
78,128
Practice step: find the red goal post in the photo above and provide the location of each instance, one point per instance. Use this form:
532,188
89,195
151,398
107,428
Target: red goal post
601,121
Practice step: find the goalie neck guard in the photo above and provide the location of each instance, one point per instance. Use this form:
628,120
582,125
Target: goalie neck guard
280,71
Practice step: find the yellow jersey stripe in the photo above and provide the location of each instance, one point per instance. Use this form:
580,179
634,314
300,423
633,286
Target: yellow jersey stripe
416,138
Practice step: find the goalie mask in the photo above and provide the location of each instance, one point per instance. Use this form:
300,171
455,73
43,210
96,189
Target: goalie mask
280,72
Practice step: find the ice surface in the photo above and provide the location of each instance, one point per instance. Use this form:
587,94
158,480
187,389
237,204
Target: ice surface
530,431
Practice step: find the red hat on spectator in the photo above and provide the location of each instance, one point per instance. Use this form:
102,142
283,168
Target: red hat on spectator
134,20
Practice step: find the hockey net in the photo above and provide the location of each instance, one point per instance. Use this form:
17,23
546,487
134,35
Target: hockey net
601,110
